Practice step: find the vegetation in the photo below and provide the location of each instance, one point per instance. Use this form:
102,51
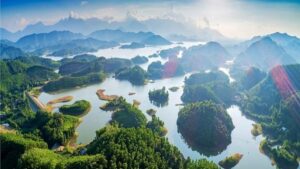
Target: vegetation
171,68
136,75
68,82
157,126
159,97
171,53
212,86
83,66
127,115
280,155
231,161
256,130
139,60
212,127
78,108
13,146
153,151
133,45
251,77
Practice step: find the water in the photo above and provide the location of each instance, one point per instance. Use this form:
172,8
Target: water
242,140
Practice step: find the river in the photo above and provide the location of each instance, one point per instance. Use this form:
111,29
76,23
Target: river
242,140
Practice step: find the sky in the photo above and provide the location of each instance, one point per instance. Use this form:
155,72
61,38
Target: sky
233,18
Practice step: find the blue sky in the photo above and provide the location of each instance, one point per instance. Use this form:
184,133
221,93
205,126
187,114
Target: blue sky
233,18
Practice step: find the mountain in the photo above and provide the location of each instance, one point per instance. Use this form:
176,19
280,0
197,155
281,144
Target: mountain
147,38
291,44
10,52
169,28
264,54
204,57
41,40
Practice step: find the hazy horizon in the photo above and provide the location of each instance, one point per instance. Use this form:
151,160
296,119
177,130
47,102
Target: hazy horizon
241,19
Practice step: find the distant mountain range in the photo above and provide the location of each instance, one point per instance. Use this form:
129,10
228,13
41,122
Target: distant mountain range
171,29
64,43
291,44
203,57
264,54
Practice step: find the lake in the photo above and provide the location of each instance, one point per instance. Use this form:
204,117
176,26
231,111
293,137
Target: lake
242,140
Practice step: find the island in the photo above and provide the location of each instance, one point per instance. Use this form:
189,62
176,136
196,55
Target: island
79,108
60,100
173,89
102,96
211,127
151,112
139,60
159,97
231,161
133,45
69,82
135,75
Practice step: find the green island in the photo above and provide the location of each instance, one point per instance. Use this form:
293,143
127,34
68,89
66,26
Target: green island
135,75
79,108
212,86
256,130
231,161
151,112
212,129
139,60
159,97
69,82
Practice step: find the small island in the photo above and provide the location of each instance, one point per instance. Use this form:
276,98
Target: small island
79,108
135,75
231,161
139,60
60,100
133,45
256,130
102,96
151,112
174,89
205,126
159,97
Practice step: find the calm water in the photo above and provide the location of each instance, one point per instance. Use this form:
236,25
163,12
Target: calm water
242,140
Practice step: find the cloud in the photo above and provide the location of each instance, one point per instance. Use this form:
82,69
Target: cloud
22,22
84,3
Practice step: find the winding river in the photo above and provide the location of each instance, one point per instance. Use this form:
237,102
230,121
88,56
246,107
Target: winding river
242,140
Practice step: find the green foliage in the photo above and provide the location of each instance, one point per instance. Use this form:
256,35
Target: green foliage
72,82
231,161
159,97
212,86
59,128
83,65
157,126
212,127
135,148
139,60
13,146
201,164
251,77
155,70
39,159
78,108
126,114
136,75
